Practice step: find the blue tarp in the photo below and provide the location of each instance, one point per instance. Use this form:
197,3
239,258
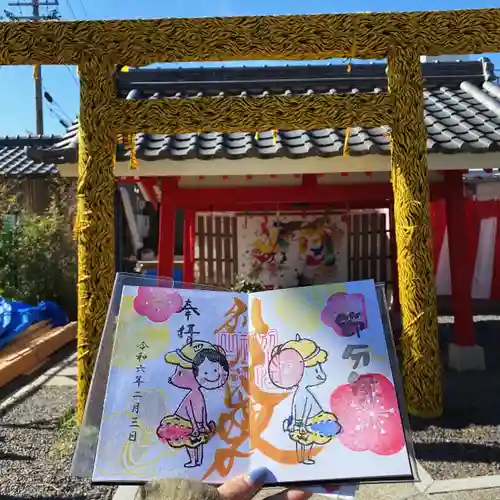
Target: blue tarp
15,317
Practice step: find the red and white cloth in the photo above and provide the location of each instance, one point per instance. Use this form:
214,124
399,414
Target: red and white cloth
481,232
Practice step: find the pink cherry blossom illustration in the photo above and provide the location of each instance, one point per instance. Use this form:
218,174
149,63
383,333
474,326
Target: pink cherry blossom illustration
369,413
157,304
345,313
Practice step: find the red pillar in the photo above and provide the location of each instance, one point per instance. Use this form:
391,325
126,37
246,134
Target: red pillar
394,261
460,260
166,237
188,246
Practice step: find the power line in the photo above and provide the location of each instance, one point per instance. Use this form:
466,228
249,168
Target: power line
71,9
72,76
35,16
65,123
40,90
37,70
82,5
52,101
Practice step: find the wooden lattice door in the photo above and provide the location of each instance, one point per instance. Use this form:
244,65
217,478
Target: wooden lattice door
216,252
369,249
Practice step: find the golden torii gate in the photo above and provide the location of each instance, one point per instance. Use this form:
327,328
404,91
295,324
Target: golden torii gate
97,47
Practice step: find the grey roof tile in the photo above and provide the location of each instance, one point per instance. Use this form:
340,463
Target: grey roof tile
461,111
15,163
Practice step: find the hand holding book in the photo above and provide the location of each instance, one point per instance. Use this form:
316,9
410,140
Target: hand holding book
207,385
242,487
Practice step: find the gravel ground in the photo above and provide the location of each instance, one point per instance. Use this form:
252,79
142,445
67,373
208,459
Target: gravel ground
465,441
33,464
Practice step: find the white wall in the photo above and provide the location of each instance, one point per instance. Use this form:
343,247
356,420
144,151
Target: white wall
487,191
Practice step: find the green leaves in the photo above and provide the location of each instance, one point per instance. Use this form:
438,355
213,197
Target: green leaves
38,259
244,284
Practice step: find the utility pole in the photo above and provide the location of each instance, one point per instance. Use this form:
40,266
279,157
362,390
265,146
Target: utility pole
37,69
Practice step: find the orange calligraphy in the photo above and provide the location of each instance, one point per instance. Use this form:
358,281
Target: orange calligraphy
234,315
259,326
233,426
249,399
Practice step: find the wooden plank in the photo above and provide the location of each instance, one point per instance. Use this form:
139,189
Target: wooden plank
365,246
234,241
219,257
227,252
356,256
202,260
374,248
36,328
384,261
22,343
32,348
210,250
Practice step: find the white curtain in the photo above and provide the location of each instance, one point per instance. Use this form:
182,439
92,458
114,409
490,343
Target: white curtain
443,274
483,268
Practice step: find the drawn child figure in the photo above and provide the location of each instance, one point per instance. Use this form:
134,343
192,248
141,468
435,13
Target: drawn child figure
198,365
297,365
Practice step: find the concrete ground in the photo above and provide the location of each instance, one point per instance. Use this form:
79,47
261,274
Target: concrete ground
371,492
400,492
406,491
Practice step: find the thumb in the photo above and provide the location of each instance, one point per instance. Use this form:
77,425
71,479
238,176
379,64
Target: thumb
244,487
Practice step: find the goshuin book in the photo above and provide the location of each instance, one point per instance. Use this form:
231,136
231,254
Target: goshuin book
208,384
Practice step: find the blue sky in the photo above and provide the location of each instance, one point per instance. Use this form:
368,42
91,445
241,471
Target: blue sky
16,83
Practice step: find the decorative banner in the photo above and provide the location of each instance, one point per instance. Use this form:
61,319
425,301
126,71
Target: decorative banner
291,250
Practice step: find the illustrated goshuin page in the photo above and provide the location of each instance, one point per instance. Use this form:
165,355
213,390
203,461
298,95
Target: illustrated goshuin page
208,385
328,406
176,403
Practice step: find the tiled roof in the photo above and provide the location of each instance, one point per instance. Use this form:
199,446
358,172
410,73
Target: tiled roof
15,163
462,111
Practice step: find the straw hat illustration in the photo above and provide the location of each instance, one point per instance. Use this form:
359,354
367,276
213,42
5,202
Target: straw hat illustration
311,353
185,356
